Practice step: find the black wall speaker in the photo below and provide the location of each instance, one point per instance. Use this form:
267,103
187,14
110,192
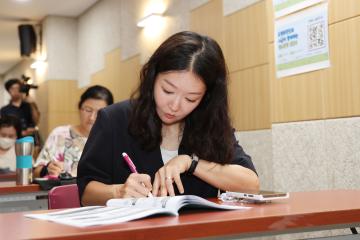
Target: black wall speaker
27,37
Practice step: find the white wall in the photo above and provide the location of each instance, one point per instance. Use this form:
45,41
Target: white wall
130,13
175,19
197,3
60,46
231,6
101,26
98,33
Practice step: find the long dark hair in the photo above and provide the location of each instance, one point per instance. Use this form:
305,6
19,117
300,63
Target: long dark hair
208,131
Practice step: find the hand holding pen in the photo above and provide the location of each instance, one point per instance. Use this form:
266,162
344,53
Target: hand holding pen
133,180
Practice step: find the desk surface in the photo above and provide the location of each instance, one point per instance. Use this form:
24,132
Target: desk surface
7,176
303,211
11,187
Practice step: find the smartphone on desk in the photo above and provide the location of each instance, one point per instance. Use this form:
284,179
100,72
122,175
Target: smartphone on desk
258,196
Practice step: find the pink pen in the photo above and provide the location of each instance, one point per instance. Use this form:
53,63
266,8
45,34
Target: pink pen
132,167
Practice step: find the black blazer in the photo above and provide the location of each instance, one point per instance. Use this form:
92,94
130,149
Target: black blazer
102,159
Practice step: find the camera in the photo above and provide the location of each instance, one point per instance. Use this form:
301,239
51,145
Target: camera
25,86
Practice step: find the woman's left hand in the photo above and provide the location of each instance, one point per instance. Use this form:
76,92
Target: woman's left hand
170,173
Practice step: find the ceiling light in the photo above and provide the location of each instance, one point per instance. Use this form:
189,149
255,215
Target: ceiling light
150,20
38,64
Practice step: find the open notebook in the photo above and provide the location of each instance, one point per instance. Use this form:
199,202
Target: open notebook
122,210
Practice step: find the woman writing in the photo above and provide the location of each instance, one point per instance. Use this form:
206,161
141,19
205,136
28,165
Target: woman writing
176,129
65,144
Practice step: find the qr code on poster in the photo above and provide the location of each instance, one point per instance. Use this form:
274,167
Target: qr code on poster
316,35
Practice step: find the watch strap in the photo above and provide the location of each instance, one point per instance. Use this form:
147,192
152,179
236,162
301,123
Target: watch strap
193,165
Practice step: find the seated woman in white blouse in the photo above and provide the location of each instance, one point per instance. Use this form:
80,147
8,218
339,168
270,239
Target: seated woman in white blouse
65,144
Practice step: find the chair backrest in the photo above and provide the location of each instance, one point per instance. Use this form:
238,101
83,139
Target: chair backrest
65,196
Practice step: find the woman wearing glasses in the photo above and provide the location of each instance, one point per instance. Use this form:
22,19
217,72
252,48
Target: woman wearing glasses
65,144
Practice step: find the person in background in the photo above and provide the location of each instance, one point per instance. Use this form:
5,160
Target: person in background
10,130
35,112
18,107
176,128
63,147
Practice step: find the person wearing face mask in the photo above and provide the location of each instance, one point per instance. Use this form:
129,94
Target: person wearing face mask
10,130
63,148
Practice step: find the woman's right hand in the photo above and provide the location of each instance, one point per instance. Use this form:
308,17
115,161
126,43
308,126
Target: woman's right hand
136,186
55,168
